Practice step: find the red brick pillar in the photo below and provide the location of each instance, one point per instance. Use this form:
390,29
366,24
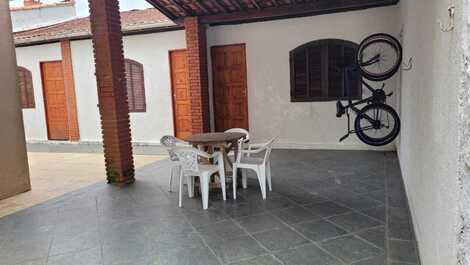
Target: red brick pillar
112,92
198,77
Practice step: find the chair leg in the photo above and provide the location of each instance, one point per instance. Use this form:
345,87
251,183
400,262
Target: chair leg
191,186
234,182
244,178
180,193
261,172
268,176
205,190
222,183
172,174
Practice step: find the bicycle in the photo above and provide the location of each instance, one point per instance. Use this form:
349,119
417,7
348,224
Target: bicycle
378,57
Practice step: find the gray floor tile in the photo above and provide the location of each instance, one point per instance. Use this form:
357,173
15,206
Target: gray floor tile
207,217
261,260
258,223
319,230
377,213
306,255
375,235
295,215
182,256
403,251
66,242
222,230
327,209
142,225
380,260
233,249
351,249
87,257
352,222
279,239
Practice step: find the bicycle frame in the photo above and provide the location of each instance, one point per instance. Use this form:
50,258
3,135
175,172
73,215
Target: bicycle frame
378,96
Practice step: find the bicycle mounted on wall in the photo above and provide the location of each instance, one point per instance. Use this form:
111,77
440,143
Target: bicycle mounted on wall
378,57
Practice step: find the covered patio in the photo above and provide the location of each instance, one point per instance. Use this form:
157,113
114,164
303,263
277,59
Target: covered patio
327,207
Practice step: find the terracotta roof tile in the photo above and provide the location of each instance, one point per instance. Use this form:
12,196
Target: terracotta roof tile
131,20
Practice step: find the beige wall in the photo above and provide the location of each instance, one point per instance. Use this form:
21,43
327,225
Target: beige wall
429,144
14,173
271,113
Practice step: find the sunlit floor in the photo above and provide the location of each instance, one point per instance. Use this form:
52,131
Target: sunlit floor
54,174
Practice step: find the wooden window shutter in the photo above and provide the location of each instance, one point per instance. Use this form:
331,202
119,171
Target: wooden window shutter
25,87
135,86
316,71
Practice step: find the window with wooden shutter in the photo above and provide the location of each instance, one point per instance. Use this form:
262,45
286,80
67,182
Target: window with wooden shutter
25,87
135,85
316,73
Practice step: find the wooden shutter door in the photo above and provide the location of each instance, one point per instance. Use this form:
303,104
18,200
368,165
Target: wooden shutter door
180,90
230,87
54,100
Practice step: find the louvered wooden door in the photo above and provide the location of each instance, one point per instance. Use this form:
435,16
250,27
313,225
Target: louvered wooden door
230,87
180,91
54,100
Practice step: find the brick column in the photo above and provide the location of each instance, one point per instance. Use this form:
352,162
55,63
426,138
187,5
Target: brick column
198,76
112,93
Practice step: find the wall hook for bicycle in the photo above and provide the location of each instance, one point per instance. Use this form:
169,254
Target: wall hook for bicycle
450,27
408,66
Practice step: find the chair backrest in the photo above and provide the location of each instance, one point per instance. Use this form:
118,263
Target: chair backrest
169,142
188,158
269,147
246,139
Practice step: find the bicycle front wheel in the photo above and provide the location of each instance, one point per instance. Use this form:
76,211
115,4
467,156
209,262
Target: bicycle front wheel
379,57
377,124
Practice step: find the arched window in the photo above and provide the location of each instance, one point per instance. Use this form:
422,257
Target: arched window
315,71
25,87
135,85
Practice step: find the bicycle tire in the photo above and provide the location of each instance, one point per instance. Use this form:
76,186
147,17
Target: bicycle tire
382,39
382,140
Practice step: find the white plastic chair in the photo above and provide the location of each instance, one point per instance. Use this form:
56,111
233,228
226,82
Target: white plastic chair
188,158
170,142
261,165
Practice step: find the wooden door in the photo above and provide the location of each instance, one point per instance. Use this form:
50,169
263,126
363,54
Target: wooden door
230,87
54,100
180,91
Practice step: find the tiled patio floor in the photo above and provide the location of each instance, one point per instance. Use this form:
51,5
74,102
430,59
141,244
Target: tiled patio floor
328,208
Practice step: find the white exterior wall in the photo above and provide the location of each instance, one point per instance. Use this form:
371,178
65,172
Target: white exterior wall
31,58
299,125
429,143
152,51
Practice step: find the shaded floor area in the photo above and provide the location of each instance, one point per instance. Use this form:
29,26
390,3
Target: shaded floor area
55,174
327,208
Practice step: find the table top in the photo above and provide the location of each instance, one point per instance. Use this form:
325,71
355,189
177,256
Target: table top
214,138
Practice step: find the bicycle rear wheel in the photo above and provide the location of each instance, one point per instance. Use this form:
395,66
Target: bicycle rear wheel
379,57
377,124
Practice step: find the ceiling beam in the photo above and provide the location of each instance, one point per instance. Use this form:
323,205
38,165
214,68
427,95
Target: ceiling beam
237,4
202,6
220,6
256,4
271,13
180,6
157,4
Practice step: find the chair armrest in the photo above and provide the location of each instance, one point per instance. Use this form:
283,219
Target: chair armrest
254,151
